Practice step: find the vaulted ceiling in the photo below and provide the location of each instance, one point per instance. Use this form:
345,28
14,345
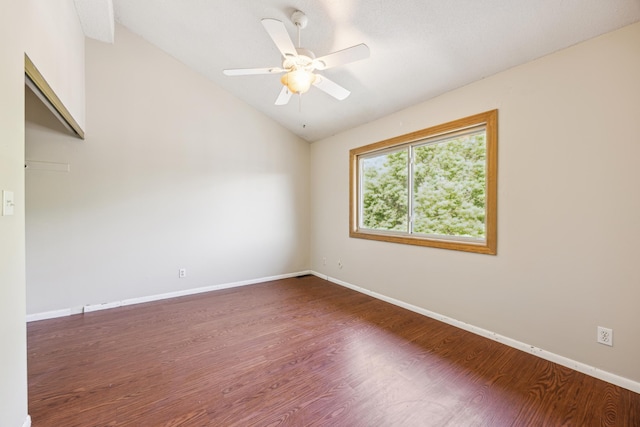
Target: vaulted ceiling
419,48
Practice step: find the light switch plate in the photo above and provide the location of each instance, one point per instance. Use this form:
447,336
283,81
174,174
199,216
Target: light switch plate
7,203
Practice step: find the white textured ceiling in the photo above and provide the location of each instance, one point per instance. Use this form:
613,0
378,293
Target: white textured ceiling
419,48
96,17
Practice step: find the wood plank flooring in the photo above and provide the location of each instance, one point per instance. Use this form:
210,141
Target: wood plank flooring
297,352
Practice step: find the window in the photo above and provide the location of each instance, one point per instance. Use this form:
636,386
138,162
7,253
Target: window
434,187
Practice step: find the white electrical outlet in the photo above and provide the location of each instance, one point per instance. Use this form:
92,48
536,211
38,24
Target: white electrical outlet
324,261
605,336
182,273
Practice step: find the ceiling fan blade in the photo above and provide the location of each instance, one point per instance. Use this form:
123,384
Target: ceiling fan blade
341,57
330,87
280,37
284,97
252,71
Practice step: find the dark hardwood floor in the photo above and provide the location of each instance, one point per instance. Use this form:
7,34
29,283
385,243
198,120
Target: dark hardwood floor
297,352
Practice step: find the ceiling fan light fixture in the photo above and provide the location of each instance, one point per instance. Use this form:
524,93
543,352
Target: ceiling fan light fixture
299,64
298,81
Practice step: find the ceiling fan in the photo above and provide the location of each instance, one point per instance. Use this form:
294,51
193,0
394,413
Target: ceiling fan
299,63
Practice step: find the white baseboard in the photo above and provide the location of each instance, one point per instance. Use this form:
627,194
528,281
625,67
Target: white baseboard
131,301
48,315
544,354
27,422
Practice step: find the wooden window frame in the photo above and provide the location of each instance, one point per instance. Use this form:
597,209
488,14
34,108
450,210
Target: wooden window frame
489,245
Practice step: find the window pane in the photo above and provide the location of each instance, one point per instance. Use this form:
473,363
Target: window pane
449,187
433,187
384,201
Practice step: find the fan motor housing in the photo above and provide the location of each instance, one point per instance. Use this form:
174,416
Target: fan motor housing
303,60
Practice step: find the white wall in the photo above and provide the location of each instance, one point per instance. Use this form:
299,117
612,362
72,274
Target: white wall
13,356
174,172
59,54
568,203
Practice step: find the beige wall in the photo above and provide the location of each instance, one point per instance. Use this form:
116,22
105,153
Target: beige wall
59,56
13,356
174,172
568,227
